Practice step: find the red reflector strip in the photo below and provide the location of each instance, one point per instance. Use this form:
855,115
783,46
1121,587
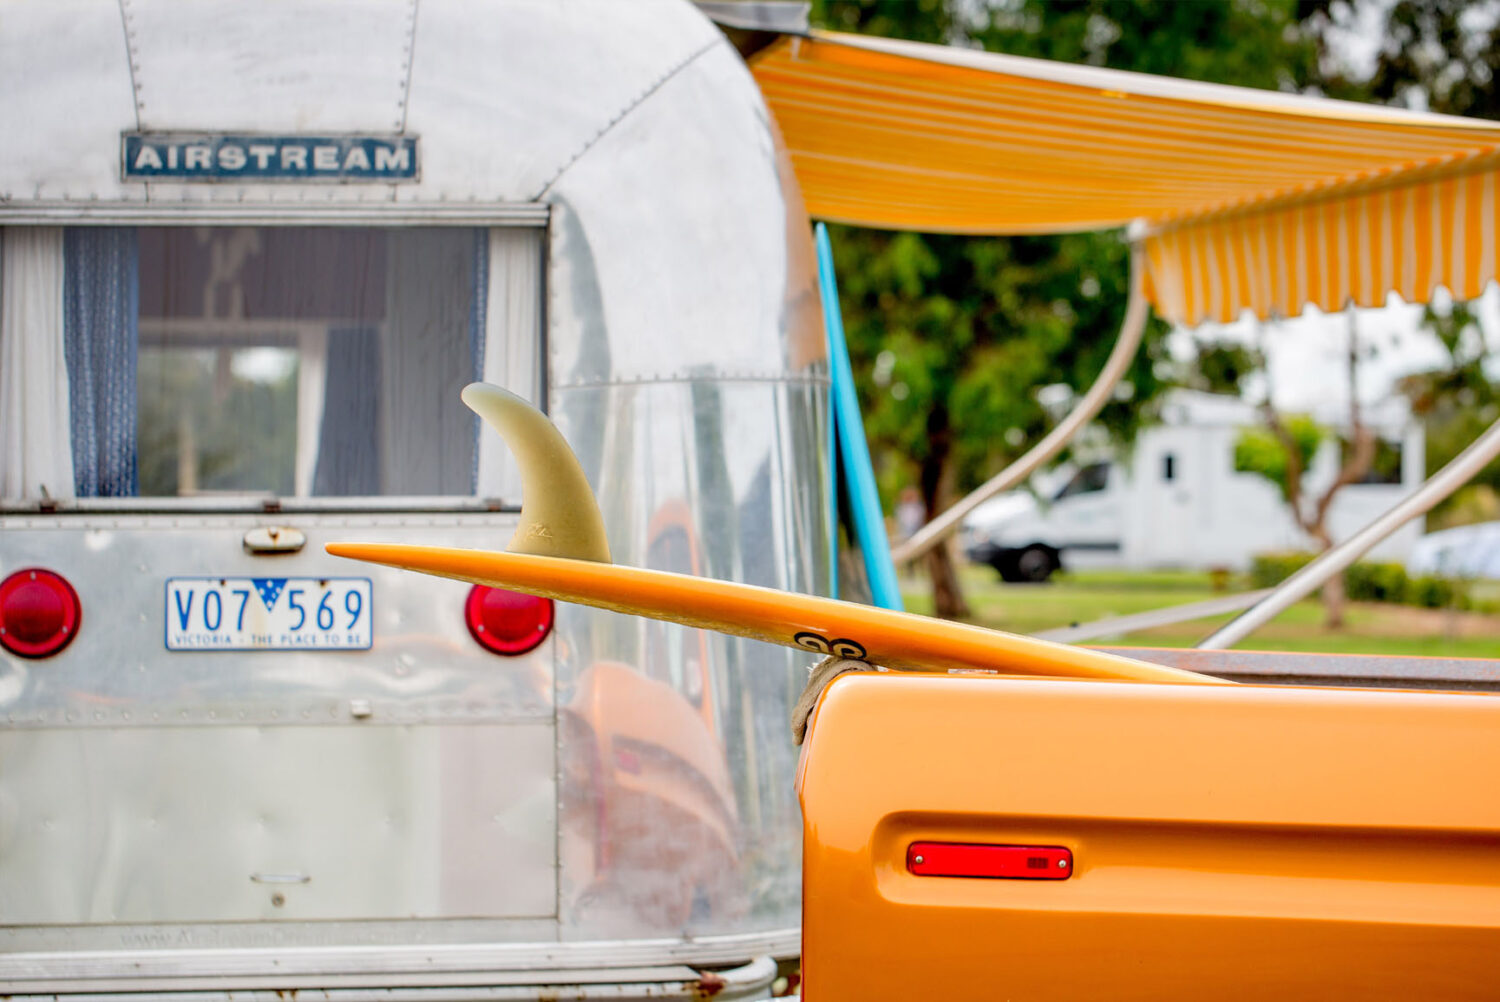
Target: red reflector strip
1014,862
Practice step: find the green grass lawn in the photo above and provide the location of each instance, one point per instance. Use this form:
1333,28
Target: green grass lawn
1082,597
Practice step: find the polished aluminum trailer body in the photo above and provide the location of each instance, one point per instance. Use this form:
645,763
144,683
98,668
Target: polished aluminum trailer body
620,797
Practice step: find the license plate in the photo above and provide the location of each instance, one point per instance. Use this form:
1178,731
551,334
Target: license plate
268,614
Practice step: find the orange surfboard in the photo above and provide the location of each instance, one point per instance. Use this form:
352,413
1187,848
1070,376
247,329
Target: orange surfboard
819,625
559,552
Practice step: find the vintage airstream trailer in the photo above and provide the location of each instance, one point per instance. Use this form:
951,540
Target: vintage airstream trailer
250,256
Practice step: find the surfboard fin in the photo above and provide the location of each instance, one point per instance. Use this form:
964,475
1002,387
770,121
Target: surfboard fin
559,514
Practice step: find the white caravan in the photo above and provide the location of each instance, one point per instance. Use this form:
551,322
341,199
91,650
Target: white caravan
1176,500
1465,551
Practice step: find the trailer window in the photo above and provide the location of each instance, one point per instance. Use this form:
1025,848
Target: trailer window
307,362
1385,466
1089,480
254,361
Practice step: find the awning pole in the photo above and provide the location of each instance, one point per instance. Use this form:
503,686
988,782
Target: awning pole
1450,478
1134,325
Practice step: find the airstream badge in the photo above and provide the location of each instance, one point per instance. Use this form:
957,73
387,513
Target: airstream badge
147,156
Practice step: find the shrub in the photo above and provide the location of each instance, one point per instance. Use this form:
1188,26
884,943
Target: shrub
1376,583
1438,593
1267,570
1368,582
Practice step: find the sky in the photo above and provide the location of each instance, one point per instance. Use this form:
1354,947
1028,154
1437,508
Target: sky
1307,367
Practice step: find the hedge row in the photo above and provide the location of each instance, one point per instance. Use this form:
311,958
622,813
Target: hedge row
1367,582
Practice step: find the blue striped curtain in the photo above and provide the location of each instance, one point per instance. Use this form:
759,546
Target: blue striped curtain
349,439
101,335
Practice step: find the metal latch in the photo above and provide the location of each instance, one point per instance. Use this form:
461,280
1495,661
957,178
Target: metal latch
274,539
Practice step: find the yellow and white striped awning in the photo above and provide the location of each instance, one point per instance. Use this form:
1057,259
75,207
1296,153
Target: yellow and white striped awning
1246,199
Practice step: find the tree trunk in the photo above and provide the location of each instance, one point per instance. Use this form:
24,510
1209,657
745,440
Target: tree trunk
1333,602
1333,589
1359,461
947,595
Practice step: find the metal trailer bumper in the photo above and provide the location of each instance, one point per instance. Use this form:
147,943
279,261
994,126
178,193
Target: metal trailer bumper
275,977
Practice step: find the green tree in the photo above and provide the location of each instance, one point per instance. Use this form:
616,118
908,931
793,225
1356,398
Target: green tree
952,337
1435,54
202,427
1263,451
1458,401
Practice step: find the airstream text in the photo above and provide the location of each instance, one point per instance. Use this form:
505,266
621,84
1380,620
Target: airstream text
150,156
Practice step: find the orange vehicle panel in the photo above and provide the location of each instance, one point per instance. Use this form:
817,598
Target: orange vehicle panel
1231,842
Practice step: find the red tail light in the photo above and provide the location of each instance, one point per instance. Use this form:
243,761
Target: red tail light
39,613
507,622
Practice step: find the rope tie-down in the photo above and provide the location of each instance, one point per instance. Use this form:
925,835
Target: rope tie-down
818,677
